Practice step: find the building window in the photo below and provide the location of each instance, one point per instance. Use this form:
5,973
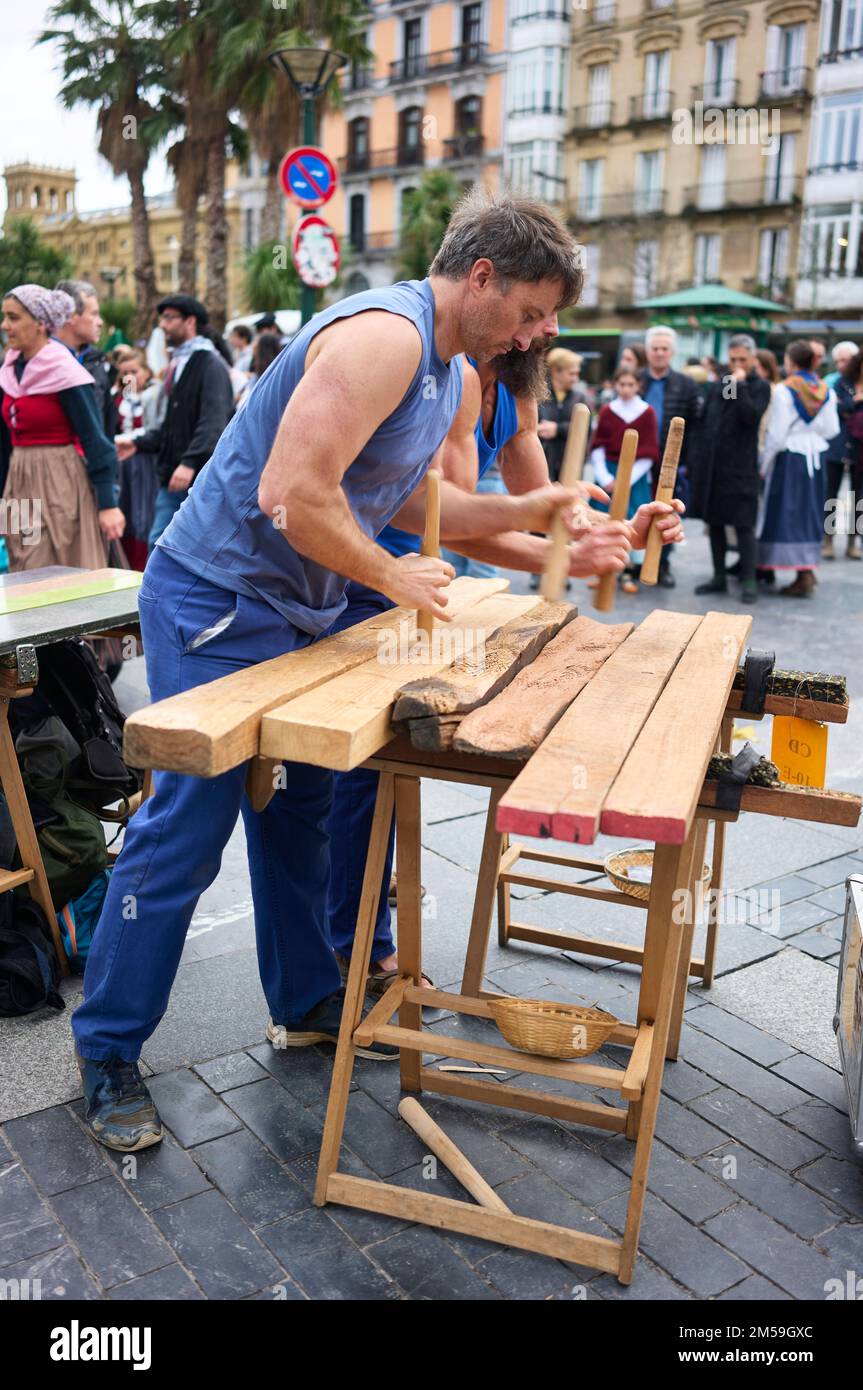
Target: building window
468,116
706,268
413,55
837,135
248,228
779,178
53,200
471,33
36,197
719,61
590,266
598,92
19,197
410,128
657,77
842,29
832,243
786,50
711,187
649,192
357,232
644,271
358,144
69,200
772,259
590,188
537,81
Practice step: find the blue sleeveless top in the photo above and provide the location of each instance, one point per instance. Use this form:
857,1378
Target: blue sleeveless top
503,427
220,532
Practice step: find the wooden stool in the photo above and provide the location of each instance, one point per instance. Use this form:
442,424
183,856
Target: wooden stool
638,1083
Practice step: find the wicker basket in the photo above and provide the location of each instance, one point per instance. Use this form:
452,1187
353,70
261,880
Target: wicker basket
551,1030
618,865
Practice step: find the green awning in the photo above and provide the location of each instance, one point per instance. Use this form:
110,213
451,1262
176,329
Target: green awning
590,332
713,297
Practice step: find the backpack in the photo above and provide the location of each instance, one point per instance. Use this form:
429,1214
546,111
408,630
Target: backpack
78,919
73,687
29,970
71,838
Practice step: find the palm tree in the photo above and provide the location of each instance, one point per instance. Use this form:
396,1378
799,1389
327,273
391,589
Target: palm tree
110,59
425,213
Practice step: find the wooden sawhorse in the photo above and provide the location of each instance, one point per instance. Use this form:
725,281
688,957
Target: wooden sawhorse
638,1084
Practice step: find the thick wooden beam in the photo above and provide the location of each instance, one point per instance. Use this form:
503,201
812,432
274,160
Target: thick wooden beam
215,727
351,720
430,709
796,803
515,722
562,789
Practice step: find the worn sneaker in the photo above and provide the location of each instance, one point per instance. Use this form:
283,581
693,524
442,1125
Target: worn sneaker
322,1024
120,1111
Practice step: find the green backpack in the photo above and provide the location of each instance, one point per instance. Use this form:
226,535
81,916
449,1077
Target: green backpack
71,838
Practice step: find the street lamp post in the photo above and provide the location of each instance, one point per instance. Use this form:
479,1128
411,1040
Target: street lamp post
310,71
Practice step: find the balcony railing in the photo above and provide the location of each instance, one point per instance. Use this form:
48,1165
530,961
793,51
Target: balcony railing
373,243
446,60
359,80
364,161
744,193
845,166
842,55
721,93
650,106
609,207
540,106
786,82
593,116
463,146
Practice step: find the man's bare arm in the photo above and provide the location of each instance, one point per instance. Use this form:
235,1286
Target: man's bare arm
335,409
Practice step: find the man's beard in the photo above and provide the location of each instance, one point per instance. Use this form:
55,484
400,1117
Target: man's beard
523,373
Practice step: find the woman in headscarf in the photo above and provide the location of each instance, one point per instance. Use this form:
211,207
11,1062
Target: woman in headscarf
803,418
57,463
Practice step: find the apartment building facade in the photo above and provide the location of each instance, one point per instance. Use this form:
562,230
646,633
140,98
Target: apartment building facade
431,98
830,263
687,149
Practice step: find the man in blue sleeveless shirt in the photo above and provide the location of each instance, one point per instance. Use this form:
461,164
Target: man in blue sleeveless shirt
497,420
333,444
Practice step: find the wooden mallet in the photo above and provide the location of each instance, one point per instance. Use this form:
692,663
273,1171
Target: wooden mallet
664,493
557,565
431,539
603,599
449,1154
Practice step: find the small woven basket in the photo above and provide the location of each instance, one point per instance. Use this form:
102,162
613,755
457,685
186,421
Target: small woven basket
551,1030
618,865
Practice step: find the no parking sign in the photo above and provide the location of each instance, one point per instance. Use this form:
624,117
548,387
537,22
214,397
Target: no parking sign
308,176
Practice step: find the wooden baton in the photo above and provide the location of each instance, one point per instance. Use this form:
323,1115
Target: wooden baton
449,1154
556,567
603,599
431,539
664,493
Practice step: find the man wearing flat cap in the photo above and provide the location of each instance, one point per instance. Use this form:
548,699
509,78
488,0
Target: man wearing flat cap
200,402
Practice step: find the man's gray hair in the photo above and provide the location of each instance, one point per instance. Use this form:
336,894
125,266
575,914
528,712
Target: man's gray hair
521,236
842,348
79,291
659,330
742,340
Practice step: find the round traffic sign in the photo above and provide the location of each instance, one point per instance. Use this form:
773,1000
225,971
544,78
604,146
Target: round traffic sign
308,176
317,254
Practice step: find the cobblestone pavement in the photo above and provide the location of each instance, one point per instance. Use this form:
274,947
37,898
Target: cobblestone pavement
754,1189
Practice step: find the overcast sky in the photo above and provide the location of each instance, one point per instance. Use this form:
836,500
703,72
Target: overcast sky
36,127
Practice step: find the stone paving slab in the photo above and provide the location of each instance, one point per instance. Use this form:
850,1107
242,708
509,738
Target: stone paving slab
789,996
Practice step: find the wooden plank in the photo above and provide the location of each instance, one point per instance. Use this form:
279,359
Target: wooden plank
797,803
562,789
636,1072
214,727
351,720
826,711
445,1213
441,1045
387,1005
430,709
655,794
577,1112
563,940
515,722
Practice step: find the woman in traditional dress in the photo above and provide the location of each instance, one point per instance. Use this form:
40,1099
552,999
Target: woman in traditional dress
626,411
59,466
803,418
